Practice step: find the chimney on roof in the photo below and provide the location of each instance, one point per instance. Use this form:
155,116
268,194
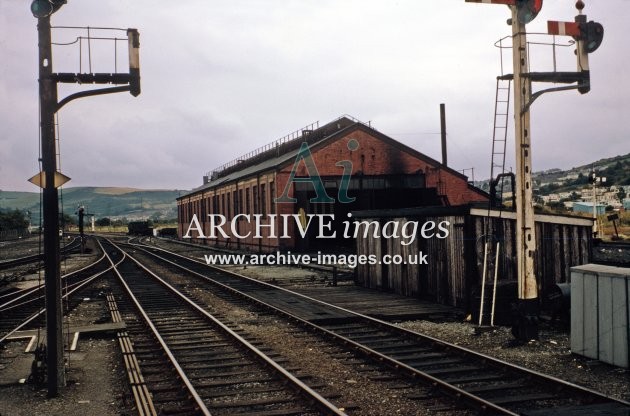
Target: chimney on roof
205,179
443,131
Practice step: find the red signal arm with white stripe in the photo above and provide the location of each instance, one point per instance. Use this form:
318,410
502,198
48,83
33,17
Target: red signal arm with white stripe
563,28
508,2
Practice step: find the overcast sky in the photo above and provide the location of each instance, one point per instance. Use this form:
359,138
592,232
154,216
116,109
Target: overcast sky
220,79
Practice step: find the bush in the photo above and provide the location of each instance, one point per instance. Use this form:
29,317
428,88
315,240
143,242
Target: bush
13,220
103,222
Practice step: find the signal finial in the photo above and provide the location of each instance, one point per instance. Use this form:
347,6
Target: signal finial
579,5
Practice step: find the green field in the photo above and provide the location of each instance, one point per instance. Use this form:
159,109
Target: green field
115,203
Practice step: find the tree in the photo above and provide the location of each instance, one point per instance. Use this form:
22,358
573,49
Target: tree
13,220
580,180
621,194
103,222
556,206
66,220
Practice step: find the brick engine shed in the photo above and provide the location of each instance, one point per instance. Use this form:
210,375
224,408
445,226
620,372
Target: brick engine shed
359,167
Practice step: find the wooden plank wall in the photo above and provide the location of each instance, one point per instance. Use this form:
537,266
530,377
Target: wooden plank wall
442,279
455,263
558,248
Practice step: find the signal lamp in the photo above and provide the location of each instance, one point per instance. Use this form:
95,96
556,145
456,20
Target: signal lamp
592,34
527,10
44,8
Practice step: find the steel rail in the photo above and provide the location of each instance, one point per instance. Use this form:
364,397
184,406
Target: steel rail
29,291
458,393
43,310
451,390
26,302
180,372
320,402
6,264
141,394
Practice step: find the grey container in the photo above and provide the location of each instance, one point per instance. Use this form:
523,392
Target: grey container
600,313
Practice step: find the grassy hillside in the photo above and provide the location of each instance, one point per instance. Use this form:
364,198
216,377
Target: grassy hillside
103,202
19,200
615,169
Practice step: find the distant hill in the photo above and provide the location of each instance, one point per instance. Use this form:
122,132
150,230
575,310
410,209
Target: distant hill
103,202
615,169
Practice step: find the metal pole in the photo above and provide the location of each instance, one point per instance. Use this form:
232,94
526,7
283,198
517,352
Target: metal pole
483,281
443,132
52,271
595,225
526,326
81,212
494,286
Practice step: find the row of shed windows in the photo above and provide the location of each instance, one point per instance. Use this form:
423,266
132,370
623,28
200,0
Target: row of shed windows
250,200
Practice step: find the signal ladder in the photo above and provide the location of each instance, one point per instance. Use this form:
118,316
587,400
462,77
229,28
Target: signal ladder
500,129
491,256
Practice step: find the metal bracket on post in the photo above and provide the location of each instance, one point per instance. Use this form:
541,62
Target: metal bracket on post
90,93
541,92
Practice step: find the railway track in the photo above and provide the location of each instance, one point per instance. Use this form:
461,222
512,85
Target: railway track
612,253
22,309
208,367
35,258
478,381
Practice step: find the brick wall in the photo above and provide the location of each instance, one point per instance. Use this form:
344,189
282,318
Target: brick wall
369,152
374,156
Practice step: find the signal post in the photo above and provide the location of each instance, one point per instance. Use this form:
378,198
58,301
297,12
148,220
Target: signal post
526,325
52,271
589,36
49,179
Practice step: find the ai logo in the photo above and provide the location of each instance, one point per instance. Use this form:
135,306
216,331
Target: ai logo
304,154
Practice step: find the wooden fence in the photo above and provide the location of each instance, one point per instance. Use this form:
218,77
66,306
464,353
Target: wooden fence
455,263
